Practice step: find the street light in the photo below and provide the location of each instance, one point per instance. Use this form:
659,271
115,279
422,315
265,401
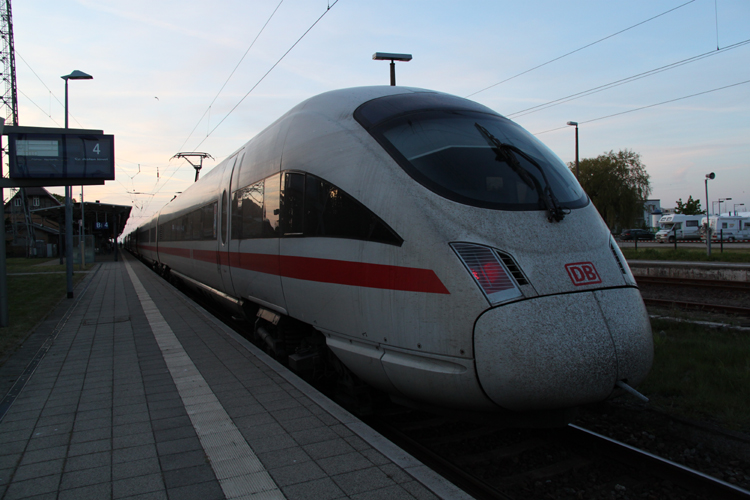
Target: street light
575,124
737,205
708,215
75,75
722,200
387,56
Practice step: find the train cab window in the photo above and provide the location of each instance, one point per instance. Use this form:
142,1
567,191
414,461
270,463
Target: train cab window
469,154
312,207
331,212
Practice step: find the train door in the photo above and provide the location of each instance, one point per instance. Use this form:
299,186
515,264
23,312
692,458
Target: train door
223,260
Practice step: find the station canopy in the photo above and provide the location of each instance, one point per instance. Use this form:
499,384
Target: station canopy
97,216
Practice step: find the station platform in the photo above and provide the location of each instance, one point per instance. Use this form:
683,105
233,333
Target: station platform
131,390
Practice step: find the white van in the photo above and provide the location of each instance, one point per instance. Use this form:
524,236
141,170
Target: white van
730,227
679,227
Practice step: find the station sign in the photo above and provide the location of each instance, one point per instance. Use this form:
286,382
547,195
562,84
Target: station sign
61,156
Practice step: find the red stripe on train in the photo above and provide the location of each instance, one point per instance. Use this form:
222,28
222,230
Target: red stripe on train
341,272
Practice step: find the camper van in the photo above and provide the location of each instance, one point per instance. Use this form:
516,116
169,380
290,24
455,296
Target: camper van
679,227
729,227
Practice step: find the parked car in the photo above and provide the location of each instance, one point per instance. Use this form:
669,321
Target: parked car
641,234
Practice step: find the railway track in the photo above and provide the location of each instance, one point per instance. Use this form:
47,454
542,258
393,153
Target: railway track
699,283
492,463
716,296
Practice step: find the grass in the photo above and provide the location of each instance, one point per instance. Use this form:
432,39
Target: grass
688,254
31,298
701,373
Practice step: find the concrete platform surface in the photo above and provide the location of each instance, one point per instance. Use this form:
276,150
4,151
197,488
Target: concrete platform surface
130,390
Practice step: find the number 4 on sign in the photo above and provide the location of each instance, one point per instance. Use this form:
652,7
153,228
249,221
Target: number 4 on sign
96,148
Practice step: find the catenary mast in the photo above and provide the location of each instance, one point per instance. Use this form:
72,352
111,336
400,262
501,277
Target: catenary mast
9,100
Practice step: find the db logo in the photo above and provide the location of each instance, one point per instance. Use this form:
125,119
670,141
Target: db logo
583,273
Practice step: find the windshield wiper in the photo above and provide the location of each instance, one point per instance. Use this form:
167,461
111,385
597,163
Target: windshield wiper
504,153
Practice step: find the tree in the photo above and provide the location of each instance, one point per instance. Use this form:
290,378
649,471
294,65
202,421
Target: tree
617,184
690,207
59,198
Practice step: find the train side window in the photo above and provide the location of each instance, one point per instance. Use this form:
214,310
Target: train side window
152,234
292,204
271,207
250,208
195,223
208,223
331,212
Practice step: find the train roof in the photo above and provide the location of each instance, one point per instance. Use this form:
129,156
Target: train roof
342,103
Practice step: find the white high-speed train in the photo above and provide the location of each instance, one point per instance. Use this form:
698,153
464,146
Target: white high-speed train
445,255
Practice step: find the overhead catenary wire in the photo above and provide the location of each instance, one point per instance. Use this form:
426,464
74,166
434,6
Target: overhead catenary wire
329,7
647,106
580,48
623,81
208,110
268,72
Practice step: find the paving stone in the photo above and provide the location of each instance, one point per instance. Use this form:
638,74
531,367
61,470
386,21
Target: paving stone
91,435
189,475
48,442
134,453
40,469
328,448
119,431
348,462
418,491
170,423
202,491
179,446
94,423
321,489
44,455
298,473
32,487
135,468
363,480
88,461
94,492
9,461
316,435
137,485
181,460
390,492
86,477
89,447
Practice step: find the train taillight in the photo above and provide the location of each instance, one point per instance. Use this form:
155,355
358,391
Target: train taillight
488,271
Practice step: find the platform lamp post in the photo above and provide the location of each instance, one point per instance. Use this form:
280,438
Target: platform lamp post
722,200
575,124
387,56
708,215
75,75
737,205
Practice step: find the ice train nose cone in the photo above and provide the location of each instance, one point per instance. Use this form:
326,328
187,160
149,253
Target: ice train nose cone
563,350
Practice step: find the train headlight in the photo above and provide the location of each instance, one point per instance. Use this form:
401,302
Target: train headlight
488,271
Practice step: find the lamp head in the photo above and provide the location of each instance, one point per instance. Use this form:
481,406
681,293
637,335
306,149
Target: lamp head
387,56
711,176
77,75
575,124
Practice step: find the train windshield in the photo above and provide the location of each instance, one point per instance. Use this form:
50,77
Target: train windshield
473,156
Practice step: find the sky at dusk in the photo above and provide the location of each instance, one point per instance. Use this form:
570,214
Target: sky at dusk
162,77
